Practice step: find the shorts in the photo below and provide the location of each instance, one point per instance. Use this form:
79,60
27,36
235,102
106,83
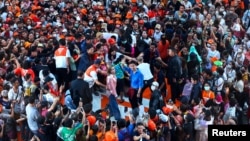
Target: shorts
120,86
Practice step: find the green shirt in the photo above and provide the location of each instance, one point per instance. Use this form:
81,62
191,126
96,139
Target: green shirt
68,134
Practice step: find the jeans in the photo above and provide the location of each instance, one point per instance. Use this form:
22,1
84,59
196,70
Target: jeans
113,107
69,102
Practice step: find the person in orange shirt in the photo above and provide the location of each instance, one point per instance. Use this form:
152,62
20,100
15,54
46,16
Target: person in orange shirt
163,46
207,94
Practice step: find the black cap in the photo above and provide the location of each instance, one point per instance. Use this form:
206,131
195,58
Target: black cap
88,37
48,79
98,61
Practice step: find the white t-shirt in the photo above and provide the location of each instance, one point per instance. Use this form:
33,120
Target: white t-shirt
117,54
61,61
48,97
15,96
187,4
54,82
157,36
91,79
107,35
236,27
239,85
212,54
219,83
145,70
32,115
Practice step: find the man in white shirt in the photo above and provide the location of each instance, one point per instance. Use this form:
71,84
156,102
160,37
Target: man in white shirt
146,72
62,60
197,15
32,115
212,51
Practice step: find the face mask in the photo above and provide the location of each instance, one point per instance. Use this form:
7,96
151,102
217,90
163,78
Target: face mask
239,50
37,36
206,88
75,12
157,31
76,25
54,35
17,41
124,42
208,45
205,12
229,66
51,9
153,87
29,27
80,5
90,23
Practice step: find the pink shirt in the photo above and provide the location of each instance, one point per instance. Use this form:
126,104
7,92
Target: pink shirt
111,84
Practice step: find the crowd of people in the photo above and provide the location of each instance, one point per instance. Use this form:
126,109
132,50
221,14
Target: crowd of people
56,56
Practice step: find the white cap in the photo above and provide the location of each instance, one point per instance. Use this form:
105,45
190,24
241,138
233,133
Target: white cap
163,118
155,84
64,30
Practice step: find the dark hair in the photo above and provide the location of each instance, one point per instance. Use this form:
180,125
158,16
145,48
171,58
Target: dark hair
68,123
80,73
195,77
121,123
133,62
40,120
208,72
220,70
239,75
110,55
232,102
87,108
139,124
93,138
31,99
26,64
62,42
94,129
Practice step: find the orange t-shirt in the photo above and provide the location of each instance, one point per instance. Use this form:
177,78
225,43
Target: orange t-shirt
163,49
206,95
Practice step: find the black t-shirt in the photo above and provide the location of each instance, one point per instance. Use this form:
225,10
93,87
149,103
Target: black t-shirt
6,104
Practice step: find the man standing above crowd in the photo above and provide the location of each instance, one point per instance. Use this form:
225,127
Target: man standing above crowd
174,72
62,59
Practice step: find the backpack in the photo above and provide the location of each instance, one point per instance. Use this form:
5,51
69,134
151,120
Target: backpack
126,135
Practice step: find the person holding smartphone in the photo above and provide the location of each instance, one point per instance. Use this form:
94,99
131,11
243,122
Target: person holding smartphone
141,133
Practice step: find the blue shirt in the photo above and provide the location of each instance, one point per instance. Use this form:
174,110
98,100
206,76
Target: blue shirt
126,132
136,78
